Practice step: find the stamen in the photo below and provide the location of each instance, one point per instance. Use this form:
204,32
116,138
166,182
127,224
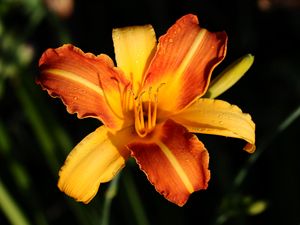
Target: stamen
162,84
145,121
139,122
153,122
141,115
127,98
149,111
124,99
141,110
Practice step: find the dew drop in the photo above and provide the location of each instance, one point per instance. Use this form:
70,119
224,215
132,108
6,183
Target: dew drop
220,115
75,98
117,37
201,130
170,40
177,30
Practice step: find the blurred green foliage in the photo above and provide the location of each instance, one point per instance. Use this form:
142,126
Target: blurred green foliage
36,133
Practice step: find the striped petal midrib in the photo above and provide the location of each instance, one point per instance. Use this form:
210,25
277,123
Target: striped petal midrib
75,78
176,165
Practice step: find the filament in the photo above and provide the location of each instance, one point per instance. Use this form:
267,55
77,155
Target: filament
145,112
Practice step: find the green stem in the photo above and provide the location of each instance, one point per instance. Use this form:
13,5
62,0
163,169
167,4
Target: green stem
10,208
240,177
5,144
18,171
45,139
20,174
134,199
109,196
38,126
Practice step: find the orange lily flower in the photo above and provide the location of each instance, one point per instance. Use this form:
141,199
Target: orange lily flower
149,105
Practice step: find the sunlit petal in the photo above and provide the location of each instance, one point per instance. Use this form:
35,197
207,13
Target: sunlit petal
96,159
134,48
218,117
183,63
174,160
88,85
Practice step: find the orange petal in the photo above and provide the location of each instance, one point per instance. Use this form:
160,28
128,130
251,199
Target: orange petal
174,160
134,48
88,85
96,159
218,117
183,63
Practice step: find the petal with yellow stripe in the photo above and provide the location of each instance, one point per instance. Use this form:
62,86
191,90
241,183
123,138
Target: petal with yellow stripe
87,84
96,159
218,117
185,58
174,160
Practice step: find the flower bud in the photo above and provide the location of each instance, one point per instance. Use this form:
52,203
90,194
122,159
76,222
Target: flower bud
229,76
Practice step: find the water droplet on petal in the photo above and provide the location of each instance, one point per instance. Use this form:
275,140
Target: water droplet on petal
220,115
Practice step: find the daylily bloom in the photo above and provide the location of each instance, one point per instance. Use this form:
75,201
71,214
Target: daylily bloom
149,105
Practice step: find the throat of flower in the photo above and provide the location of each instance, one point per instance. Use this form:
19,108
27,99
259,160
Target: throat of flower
145,113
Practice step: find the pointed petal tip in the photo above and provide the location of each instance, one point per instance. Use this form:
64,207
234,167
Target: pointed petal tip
185,58
250,148
50,52
192,18
205,181
217,117
174,161
95,160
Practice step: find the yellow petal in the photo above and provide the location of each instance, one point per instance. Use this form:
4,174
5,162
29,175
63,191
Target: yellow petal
229,76
218,117
134,47
96,159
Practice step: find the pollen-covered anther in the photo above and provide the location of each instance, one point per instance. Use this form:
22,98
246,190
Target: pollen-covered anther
145,112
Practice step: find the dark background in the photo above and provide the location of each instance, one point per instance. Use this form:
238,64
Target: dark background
36,132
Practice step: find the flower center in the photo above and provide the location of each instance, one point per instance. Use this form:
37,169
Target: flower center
145,113
142,108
